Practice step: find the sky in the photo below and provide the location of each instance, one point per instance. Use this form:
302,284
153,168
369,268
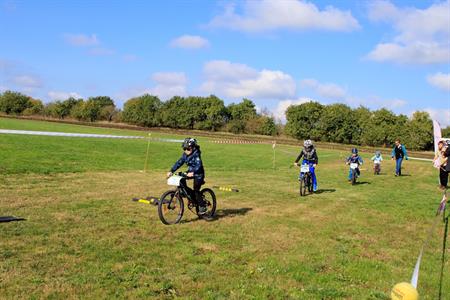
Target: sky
393,54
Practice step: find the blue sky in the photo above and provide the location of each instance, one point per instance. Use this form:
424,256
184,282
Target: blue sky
393,54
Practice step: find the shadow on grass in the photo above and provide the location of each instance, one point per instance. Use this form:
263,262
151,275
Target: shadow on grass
223,213
320,191
10,219
362,182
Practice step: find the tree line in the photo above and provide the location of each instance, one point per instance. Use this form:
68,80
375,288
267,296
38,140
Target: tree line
336,123
203,113
339,123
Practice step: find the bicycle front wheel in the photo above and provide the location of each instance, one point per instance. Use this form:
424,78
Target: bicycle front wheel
354,177
302,186
170,208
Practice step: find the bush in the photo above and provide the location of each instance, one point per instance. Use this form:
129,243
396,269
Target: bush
14,102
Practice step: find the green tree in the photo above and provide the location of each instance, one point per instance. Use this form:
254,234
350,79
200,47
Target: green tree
362,117
77,111
209,113
36,108
420,129
244,110
381,130
446,132
14,102
102,101
337,124
303,120
142,111
176,113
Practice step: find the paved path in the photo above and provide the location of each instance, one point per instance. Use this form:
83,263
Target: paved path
50,133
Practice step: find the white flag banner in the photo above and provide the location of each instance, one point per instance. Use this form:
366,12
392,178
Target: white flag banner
437,133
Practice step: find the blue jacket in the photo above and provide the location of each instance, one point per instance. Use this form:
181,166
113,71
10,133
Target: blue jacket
194,163
355,159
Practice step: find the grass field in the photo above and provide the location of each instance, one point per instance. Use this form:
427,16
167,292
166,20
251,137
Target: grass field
84,237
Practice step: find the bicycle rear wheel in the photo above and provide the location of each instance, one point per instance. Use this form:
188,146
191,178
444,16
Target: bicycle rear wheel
170,208
210,199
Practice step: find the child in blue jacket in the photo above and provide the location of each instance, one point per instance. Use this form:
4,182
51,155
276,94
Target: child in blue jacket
192,158
354,158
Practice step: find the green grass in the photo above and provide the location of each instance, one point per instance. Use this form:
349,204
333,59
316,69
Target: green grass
85,238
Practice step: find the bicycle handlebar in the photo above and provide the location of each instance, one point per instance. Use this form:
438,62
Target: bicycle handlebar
184,175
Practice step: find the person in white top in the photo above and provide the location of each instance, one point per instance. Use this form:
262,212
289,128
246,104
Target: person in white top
377,159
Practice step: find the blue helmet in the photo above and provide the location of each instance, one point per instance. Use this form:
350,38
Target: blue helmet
354,151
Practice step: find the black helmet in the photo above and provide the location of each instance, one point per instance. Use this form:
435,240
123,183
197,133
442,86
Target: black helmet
354,151
189,143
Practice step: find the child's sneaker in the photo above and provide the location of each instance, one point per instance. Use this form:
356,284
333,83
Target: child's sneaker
202,210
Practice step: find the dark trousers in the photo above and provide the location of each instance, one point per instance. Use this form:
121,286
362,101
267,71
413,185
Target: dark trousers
195,193
443,176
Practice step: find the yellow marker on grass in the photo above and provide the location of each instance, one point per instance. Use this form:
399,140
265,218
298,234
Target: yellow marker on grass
404,291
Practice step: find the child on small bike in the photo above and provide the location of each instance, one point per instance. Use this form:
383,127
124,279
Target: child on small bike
356,159
310,158
377,159
192,158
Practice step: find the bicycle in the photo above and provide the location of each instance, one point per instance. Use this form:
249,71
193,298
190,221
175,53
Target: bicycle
376,169
171,203
305,180
354,167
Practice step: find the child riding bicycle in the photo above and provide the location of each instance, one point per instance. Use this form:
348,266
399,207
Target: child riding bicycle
354,159
192,158
310,158
377,159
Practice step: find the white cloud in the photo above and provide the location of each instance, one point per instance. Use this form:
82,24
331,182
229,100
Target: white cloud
268,15
280,111
169,84
58,95
81,39
422,34
239,81
440,115
414,52
189,42
440,80
100,51
329,90
27,81
3,88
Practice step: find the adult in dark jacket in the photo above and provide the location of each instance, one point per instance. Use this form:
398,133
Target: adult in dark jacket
398,153
445,170
192,158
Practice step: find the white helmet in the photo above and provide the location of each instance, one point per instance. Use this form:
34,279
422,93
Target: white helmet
307,143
